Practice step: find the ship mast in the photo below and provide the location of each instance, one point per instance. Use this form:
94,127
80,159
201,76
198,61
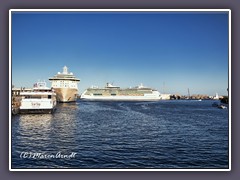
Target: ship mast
163,87
188,94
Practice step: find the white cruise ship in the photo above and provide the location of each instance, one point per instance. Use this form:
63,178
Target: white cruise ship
110,92
40,99
65,85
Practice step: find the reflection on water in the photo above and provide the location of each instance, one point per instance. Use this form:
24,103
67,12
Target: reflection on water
34,128
165,134
29,122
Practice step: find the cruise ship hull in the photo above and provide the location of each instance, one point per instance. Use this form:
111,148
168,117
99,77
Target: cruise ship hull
66,94
115,93
120,98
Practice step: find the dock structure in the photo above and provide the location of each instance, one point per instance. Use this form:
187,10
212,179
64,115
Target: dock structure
16,103
16,99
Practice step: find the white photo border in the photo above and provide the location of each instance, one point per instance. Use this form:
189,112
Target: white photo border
119,10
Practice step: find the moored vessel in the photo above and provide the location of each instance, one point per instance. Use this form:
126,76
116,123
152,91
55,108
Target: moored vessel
65,85
40,100
110,92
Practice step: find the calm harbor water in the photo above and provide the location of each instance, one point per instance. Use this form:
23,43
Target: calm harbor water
164,134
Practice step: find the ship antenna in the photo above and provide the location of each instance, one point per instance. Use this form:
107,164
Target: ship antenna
163,87
188,93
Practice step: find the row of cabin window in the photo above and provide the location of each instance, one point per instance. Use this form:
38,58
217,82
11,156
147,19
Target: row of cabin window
38,97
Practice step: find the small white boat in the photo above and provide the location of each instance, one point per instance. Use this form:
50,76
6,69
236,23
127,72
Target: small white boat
222,106
40,100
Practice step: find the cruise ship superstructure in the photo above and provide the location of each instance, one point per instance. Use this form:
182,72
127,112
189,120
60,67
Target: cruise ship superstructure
110,92
65,85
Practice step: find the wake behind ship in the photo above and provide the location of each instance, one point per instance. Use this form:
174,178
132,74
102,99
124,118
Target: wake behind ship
110,92
65,85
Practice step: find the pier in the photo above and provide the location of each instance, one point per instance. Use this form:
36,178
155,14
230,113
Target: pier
16,103
16,99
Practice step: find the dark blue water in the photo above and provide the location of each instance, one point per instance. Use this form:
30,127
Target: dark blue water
164,134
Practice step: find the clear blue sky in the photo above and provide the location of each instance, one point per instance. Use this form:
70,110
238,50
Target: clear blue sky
167,51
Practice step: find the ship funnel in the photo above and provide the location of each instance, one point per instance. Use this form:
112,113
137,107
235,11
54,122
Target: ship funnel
65,70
